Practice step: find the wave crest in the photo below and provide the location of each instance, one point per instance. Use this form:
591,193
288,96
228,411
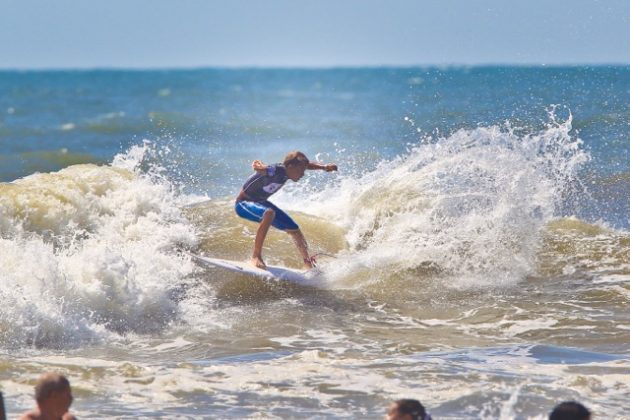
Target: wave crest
470,206
87,253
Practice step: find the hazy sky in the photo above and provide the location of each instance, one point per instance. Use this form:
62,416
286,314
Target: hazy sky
322,33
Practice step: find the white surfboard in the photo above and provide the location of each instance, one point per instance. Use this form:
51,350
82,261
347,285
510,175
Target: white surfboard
306,278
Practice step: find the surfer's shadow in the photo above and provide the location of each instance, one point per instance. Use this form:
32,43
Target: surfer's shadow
244,290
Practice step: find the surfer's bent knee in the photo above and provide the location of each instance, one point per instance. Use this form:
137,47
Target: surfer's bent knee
269,214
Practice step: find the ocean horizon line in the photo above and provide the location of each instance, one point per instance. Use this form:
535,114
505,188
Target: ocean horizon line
312,68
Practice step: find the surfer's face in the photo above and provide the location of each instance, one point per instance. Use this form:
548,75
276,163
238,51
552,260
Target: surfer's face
296,171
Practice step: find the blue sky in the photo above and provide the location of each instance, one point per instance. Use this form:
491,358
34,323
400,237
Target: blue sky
298,33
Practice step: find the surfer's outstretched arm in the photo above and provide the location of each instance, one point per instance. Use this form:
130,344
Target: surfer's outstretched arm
261,168
328,167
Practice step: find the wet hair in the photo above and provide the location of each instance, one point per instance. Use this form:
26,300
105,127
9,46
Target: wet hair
412,407
570,410
49,383
295,158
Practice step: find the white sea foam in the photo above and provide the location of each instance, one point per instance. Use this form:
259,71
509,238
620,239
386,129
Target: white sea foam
471,205
89,252
487,381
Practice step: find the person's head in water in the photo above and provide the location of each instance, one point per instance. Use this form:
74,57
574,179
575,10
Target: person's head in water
295,163
53,397
406,409
570,410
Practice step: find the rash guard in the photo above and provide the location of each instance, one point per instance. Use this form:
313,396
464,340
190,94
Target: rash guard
259,187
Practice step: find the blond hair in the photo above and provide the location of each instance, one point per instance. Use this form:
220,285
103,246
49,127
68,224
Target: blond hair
49,383
296,158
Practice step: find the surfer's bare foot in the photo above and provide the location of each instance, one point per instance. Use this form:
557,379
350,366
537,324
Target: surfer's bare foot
308,263
258,262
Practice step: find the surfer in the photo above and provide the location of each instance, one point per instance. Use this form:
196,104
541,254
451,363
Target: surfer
252,203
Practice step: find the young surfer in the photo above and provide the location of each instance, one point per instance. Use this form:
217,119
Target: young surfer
252,203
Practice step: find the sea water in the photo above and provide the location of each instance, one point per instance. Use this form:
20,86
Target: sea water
478,226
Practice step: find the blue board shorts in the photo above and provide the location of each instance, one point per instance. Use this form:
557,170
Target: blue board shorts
252,210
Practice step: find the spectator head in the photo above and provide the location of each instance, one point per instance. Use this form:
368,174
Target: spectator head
53,394
406,409
570,410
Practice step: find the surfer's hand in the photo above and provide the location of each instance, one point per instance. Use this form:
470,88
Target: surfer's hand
257,165
330,167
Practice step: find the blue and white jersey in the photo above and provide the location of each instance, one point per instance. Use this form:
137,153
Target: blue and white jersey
259,187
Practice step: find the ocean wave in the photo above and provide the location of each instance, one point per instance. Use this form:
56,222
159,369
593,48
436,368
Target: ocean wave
88,253
572,245
471,206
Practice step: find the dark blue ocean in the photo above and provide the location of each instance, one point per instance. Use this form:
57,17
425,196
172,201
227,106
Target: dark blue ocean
478,225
